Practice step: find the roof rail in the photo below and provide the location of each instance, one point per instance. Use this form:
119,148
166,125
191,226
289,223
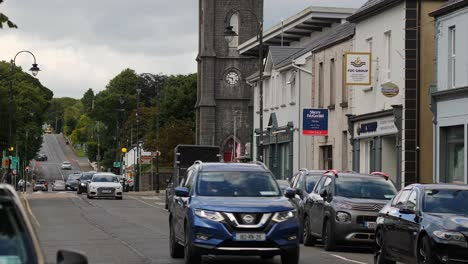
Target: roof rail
381,174
261,164
335,172
199,162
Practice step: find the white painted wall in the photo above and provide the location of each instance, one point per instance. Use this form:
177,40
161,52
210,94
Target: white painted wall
372,100
459,19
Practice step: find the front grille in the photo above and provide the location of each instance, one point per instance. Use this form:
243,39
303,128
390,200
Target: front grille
367,207
101,189
232,226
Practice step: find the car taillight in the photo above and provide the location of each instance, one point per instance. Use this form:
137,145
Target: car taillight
45,183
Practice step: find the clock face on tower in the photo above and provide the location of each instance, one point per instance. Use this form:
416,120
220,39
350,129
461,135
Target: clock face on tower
232,78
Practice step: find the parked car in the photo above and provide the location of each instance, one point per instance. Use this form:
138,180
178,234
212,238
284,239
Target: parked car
72,181
232,209
83,181
41,185
58,185
343,207
424,224
303,183
18,242
283,184
105,185
41,157
66,165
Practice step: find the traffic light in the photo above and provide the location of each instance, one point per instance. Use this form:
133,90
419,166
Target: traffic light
11,149
6,163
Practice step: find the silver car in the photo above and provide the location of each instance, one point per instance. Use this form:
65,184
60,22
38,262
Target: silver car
58,185
66,165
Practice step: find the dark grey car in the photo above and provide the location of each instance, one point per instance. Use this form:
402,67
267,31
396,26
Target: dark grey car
72,181
343,208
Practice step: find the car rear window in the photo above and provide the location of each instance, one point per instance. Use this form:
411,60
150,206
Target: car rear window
311,180
364,188
15,246
446,201
237,184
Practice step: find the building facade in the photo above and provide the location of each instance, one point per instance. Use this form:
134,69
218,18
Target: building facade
224,107
287,87
450,93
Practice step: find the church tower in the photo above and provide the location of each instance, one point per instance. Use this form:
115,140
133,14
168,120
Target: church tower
224,108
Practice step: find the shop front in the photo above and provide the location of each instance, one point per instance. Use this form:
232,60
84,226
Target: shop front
278,150
376,144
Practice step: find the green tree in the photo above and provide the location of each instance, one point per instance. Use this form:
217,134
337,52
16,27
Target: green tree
179,98
5,20
88,100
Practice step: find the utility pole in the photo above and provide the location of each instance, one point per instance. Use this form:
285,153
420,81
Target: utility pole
137,168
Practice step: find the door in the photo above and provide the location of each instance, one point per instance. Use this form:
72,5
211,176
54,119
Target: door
318,208
392,231
408,227
180,206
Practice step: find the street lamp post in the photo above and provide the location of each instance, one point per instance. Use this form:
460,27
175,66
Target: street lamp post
137,170
34,70
229,35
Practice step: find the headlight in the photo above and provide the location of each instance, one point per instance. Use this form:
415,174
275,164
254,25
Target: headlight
343,217
450,236
210,215
83,184
119,187
283,216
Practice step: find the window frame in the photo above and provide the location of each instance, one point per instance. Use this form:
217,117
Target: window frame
332,81
452,56
388,55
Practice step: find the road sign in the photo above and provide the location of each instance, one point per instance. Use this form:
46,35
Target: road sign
146,159
116,164
14,163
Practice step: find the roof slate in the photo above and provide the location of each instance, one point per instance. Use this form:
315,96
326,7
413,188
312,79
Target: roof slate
370,7
449,6
279,54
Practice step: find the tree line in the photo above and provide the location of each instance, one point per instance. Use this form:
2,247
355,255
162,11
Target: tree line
102,123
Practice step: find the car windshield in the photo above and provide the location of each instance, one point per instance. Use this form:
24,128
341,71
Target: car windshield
73,177
237,184
364,188
105,178
66,163
446,201
15,247
311,180
86,176
58,182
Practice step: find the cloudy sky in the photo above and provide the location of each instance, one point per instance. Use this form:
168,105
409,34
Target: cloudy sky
83,44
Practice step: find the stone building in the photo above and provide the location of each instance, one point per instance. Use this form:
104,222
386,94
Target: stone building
224,99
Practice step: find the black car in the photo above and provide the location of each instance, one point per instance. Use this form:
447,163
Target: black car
424,224
72,181
303,182
41,157
18,240
83,181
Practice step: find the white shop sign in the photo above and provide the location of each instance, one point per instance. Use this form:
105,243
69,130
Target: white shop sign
375,127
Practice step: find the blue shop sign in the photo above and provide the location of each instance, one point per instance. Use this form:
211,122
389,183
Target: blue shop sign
315,122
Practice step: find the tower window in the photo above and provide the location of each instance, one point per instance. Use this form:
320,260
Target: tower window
234,22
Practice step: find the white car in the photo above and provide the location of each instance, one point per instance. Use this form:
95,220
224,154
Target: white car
105,185
66,165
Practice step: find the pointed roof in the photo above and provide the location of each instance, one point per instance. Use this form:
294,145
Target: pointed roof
449,6
371,8
279,54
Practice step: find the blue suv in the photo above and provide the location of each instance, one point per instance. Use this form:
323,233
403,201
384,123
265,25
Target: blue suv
232,209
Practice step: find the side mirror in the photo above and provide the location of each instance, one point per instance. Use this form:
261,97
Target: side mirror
299,192
324,193
407,210
290,193
182,192
70,257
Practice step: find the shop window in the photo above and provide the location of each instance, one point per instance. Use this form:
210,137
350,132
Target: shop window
327,157
452,154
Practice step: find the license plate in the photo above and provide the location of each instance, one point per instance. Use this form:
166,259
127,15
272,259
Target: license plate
106,191
250,237
370,225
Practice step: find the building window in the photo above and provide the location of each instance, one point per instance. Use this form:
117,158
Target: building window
292,82
344,89
234,22
388,55
321,88
332,82
344,151
452,53
284,88
452,154
369,44
327,157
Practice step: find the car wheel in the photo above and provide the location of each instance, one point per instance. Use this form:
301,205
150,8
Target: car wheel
79,191
327,237
306,236
290,257
88,196
425,253
176,250
379,250
119,198
190,254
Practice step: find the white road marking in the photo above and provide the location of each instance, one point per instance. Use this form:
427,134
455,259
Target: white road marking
348,260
